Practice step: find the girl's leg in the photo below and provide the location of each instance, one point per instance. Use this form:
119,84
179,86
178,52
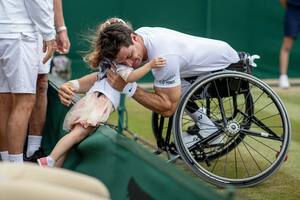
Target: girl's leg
77,134
61,160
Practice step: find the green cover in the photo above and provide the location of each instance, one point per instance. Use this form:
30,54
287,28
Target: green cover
254,26
125,167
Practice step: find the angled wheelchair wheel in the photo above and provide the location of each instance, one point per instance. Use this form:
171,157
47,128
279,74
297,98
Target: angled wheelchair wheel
250,131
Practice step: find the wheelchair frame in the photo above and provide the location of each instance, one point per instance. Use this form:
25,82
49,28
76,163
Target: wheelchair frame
252,152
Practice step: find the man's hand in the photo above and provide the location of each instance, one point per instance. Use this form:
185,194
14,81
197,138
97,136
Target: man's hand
49,48
63,42
115,80
66,93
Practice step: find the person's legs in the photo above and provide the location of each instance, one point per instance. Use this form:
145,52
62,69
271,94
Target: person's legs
17,124
19,68
77,134
285,50
203,124
5,106
38,116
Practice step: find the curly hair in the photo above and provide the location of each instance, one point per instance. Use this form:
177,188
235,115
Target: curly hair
104,41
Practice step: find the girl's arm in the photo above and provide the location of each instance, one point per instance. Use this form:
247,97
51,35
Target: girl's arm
142,71
67,90
138,73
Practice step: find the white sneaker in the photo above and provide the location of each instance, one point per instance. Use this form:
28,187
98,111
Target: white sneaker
206,126
189,140
216,141
284,81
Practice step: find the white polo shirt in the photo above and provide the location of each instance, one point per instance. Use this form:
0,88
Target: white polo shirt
26,16
186,55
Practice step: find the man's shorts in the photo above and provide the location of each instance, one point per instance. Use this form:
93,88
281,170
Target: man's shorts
43,68
292,21
19,62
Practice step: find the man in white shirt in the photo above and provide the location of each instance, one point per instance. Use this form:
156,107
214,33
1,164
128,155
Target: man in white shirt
20,24
38,115
186,56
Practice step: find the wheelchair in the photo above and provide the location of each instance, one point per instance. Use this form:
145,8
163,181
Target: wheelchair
251,129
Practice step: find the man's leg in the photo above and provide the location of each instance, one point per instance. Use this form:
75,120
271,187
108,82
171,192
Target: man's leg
38,116
21,109
5,105
285,50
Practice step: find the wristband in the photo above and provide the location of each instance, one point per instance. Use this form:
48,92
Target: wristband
75,84
60,29
130,89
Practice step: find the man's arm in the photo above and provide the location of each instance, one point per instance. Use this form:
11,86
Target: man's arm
62,39
41,13
163,101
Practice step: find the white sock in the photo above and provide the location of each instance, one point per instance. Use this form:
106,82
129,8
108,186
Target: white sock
34,143
16,158
51,161
4,155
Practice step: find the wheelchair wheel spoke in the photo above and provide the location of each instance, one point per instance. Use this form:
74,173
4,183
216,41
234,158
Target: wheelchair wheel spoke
264,144
261,135
243,162
251,156
252,129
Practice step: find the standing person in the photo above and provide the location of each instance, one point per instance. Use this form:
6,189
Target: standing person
291,30
38,115
186,56
20,24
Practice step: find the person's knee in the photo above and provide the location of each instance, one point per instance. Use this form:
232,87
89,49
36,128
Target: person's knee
81,136
24,102
42,84
287,45
286,48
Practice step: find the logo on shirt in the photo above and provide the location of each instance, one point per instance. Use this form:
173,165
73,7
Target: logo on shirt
168,81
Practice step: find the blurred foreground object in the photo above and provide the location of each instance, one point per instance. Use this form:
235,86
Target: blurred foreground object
33,182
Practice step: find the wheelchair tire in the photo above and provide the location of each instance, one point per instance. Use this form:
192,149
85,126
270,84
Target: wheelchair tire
255,140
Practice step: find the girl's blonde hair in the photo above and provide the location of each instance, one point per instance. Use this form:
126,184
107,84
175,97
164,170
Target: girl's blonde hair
94,55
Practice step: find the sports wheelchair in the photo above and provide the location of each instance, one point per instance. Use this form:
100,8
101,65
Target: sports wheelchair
251,127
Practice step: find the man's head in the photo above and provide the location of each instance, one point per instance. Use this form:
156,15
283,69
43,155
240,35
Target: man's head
121,44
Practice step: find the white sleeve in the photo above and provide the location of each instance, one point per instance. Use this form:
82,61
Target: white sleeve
124,71
42,14
169,75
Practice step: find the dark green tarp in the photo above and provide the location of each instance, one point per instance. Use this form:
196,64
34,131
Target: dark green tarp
125,167
255,26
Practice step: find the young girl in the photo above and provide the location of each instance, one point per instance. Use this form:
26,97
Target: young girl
95,107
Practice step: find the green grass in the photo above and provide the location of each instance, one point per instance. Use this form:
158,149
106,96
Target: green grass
282,185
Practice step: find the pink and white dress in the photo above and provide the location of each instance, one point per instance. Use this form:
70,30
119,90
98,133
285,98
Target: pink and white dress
91,110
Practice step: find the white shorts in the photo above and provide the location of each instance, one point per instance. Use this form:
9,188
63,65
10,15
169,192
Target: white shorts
104,87
185,85
43,68
18,63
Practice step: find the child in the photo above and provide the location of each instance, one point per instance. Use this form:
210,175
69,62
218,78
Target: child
95,107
